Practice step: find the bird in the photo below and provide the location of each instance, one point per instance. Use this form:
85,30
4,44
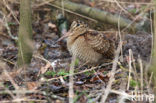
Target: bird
88,45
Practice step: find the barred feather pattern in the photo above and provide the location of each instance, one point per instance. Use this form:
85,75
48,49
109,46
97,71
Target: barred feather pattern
91,46
101,43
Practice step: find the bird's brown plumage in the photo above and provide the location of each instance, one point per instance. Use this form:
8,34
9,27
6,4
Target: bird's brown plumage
88,45
101,43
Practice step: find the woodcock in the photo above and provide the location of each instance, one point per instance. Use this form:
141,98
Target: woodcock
89,46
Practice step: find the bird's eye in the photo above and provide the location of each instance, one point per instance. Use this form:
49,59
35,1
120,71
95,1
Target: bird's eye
78,24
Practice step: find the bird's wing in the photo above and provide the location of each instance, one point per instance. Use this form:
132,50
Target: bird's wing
101,42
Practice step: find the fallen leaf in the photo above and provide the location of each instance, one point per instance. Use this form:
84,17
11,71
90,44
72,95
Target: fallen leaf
44,69
31,85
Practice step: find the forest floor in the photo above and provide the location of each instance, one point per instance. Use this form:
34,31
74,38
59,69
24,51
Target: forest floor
46,79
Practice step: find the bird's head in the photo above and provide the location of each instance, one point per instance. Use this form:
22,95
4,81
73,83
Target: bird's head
77,28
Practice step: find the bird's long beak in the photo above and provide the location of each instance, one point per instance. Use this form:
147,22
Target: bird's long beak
64,36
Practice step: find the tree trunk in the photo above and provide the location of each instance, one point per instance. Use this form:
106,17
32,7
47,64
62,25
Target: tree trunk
99,15
25,47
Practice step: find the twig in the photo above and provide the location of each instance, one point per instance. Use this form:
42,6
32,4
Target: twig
71,81
141,74
8,61
9,92
21,91
119,33
123,94
138,16
134,67
93,68
12,13
42,58
130,68
11,80
5,23
111,79
152,41
148,85
13,83
62,3
23,100
150,80
120,99
44,3
118,4
121,2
